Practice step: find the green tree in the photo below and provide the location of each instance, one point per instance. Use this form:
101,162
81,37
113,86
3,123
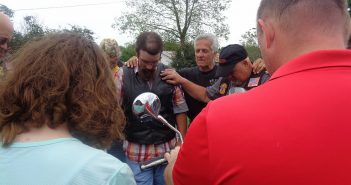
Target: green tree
6,10
170,46
127,52
184,57
31,29
180,59
16,42
87,33
249,41
178,20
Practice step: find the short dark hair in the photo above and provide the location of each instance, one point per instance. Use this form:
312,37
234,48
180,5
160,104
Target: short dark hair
150,42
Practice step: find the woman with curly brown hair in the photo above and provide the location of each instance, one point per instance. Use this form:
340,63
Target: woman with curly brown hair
60,95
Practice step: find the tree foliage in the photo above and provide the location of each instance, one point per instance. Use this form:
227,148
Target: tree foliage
177,20
184,57
87,33
32,29
178,61
127,52
6,10
249,41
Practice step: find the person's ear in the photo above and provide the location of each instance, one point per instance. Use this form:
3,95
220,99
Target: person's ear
246,62
267,31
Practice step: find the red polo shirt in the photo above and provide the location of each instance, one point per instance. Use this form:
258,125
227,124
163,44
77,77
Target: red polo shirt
293,130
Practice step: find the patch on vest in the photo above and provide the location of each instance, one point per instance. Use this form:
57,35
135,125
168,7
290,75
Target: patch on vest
223,87
253,82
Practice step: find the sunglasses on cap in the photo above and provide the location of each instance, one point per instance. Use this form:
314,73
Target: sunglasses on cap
4,40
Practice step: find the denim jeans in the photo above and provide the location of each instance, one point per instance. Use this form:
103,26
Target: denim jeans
151,176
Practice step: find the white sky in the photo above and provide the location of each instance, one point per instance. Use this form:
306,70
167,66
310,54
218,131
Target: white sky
241,16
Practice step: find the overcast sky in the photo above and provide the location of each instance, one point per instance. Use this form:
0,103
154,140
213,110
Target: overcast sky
98,16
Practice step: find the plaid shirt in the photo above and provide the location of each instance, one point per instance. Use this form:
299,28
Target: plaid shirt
139,152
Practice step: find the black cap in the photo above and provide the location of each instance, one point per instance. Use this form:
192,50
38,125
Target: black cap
229,56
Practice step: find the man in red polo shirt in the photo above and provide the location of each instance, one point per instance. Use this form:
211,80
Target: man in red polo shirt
302,135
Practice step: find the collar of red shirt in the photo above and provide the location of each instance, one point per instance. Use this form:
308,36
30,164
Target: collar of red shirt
314,60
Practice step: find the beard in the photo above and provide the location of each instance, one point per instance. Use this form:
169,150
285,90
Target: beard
147,74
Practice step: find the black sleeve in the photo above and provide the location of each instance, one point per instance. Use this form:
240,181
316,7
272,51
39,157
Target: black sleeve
265,77
185,72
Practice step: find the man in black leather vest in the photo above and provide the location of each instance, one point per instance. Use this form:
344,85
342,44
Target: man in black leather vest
206,47
148,138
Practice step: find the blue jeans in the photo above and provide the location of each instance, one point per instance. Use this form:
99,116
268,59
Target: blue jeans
151,176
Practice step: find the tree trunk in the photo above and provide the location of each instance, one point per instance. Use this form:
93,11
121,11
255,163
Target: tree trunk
182,44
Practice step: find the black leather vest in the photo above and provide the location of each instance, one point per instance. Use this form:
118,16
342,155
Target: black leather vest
149,130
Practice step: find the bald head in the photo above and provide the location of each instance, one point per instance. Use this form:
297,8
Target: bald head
6,32
301,17
289,28
6,27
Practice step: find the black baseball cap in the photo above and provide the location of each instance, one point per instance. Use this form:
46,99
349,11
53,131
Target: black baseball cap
228,57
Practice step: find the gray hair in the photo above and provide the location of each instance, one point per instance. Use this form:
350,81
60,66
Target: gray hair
210,37
110,46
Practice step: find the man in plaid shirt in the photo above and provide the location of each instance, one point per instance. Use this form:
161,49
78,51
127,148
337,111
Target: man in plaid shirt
148,138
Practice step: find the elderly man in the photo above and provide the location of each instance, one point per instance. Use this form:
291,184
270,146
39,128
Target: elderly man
203,74
6,32
234,70
302,134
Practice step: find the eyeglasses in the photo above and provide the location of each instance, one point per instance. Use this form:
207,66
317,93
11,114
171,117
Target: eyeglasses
152,63
4,40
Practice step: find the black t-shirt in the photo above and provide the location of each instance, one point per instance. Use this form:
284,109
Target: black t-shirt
204,79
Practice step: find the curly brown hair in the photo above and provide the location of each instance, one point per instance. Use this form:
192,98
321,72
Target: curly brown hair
61,78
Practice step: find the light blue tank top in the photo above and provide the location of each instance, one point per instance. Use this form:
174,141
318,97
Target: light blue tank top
60,162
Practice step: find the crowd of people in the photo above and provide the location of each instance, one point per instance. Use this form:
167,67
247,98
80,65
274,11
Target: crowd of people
66,106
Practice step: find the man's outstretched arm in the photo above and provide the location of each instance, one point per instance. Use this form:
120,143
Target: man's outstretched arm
196,91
